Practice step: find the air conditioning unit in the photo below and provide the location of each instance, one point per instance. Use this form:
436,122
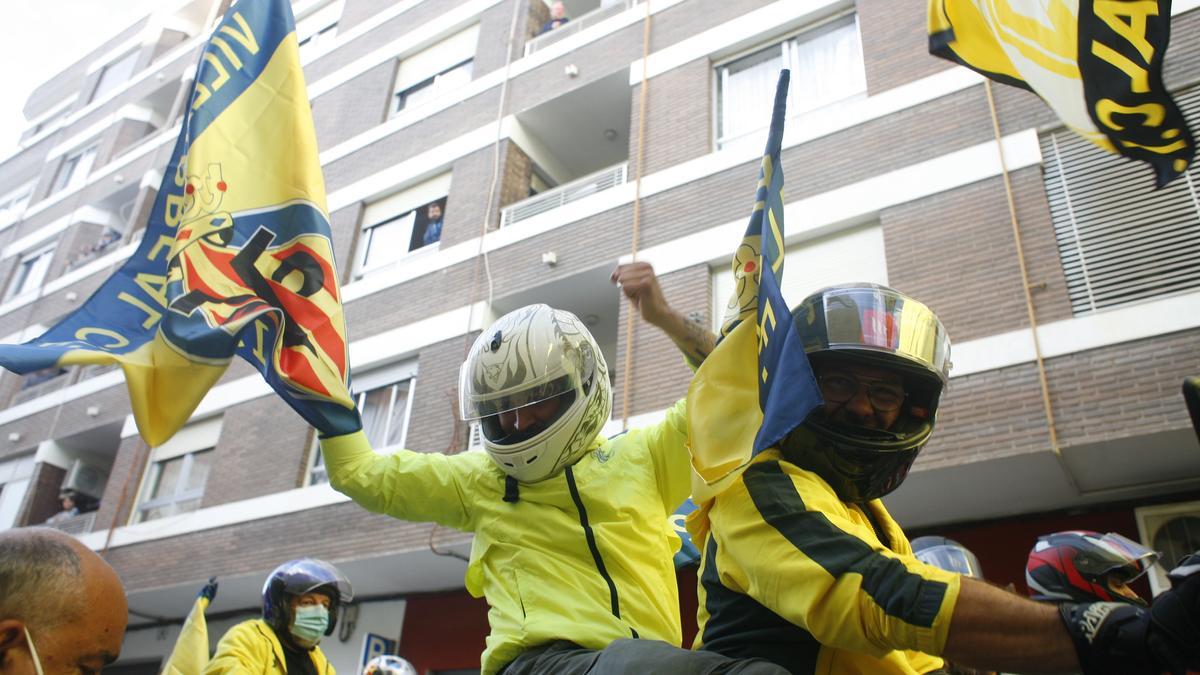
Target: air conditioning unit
1174,531
85,479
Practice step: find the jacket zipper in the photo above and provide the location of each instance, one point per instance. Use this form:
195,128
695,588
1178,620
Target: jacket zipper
591,541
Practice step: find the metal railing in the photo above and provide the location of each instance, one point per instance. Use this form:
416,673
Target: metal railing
565,194
77,525
577,24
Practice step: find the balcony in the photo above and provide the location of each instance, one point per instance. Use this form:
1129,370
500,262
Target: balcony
569,148
582,15
565,194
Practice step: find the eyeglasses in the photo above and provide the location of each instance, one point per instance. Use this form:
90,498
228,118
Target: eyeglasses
841,388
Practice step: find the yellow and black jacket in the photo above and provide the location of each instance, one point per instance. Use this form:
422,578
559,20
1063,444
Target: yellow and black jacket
584,556
792,574
252,647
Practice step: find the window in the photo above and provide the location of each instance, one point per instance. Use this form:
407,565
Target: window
431,73
114,74
175,479
12,205
1120,246
317,30
430,89
403,222
74,170
31,272
854,255
826,64
317,473
15,474
384,398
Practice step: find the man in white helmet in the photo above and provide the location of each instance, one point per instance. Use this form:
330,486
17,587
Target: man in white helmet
572,547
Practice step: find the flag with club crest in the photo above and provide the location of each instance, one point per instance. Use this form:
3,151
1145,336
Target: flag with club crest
237,256
757,385
1096,63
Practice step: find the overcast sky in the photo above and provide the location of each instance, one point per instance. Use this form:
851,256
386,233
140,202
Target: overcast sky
41,37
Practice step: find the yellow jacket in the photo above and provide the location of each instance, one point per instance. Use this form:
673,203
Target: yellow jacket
252,647
792,574
584,556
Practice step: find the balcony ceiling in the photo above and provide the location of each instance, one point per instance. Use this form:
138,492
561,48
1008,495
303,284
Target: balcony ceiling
572,126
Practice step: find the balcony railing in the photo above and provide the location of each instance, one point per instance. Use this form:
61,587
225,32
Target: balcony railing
564,194
577,24
77,525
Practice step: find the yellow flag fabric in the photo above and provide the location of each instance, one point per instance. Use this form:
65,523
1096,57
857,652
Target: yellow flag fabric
1096,63
237,256
190,655
757,385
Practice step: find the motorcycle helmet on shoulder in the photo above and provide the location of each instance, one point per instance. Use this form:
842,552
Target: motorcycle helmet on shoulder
948,555
536,358
868,328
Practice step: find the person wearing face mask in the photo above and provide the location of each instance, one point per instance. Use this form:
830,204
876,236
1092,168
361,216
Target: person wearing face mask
62,608
301,600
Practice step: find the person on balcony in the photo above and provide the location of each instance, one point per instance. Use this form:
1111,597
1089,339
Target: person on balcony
69,509
558,18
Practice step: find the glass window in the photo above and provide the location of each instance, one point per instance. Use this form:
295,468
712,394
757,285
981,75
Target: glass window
826,64
175,485
75,169
317,474
387,238
385,413
31,272
12,205
434,87
114,74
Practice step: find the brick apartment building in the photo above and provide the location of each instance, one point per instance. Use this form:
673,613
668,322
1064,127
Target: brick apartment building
532,146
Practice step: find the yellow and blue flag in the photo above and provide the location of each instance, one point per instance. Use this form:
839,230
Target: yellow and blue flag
757,385
190,655
237,256
1096,63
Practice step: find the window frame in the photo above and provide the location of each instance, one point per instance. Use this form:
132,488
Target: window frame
196,438
67,179
18,284
14,203
399,97
392,208
103,87
815,29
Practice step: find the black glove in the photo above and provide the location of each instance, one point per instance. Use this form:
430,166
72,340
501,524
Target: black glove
1113,638
210,589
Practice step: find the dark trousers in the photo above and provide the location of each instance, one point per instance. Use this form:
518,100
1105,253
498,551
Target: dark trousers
632,657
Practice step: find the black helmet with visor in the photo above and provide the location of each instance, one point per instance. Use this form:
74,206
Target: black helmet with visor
869,326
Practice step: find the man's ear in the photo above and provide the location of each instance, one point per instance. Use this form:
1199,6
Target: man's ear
12,636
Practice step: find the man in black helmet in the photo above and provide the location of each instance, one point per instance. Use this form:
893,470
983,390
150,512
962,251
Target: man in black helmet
803,565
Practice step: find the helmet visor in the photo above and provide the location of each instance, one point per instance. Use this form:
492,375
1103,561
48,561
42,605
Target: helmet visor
308,574
883,320
1120,555
504,390
952,559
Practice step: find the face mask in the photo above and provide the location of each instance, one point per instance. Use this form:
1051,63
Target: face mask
309,624
37,662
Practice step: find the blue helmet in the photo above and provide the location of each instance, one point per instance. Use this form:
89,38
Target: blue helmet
297,577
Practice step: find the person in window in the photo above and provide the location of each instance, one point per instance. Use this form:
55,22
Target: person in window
803,565
69,508
433,226
558,17
300,603
572,549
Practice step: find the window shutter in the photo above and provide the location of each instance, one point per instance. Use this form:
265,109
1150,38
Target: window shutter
1119,239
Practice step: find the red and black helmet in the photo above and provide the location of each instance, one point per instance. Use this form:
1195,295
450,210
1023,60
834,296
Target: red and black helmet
1083,566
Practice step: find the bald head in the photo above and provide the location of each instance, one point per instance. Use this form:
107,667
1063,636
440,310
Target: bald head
70,601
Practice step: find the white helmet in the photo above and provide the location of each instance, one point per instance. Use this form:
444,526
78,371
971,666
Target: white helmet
387,664
528,356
